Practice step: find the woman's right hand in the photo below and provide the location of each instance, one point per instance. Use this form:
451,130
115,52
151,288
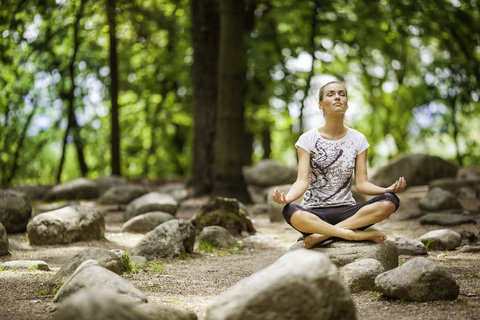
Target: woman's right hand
279,197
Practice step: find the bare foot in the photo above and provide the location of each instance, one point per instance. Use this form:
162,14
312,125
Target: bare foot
313,239
374,236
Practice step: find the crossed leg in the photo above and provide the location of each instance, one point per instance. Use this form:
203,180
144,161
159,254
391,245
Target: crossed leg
346,229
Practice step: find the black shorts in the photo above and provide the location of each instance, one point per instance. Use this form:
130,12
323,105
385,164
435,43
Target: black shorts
334,215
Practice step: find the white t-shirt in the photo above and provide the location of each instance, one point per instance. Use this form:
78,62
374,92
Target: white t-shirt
332,163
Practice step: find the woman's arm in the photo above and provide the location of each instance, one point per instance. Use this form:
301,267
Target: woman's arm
301,184
366,187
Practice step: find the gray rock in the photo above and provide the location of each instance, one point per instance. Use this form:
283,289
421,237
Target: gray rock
90,275
152,201
169,239
410,247
439,199
105,304
123,256
418,170
344,252
259,208
66,225
105,183
15,212
177,190
268,173
3,241
443,239
446,219
146,222
217,236
104,257
418,280
122,194
455,185
78,189
138,261
360,275
15,245
302,284
31,192
275,209
25,265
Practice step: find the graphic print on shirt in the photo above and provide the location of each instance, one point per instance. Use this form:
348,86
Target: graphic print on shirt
324,182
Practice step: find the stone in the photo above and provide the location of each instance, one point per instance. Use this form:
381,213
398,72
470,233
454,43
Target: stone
15,212
138,261
269,173
122,194
443,239
275,209
259,208
31,265
446,219
302,284
439,199
31,192
91,276
152,201
418,279
123,256
104,257
224,212
217,236
177,190
360,275
105,304
3,241
170,239
344,252
66,225
15,245
418,170
146,222
105,183
455,185
409,247
78,189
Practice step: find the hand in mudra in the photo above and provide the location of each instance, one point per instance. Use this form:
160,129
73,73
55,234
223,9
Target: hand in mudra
279,197
398,186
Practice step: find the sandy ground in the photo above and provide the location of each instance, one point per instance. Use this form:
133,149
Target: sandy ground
193,281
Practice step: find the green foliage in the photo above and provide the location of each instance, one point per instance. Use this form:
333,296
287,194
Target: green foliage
156,267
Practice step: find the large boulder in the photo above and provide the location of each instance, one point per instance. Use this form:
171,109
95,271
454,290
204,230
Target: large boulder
439,199
106,304
152,201
344,252
66,225
360,275
3,241
78,189
418,169
122,194
105,183
268,173
15,212
418,280
300,285
446,219
104,257
455,185
91,276
443,239
224,212
170,239
146,222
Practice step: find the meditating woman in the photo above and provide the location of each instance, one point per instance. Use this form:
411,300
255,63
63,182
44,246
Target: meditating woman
327,158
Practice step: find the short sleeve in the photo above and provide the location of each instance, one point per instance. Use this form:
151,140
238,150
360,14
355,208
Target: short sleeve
362,143
305,141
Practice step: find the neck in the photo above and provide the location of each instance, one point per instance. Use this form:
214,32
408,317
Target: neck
334,126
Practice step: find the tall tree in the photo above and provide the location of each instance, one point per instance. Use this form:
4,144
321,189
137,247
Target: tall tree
230,138
205,34
115,127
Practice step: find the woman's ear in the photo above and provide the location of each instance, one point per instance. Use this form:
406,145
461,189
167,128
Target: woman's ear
320,106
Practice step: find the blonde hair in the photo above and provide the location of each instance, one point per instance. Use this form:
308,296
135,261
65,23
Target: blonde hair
322,89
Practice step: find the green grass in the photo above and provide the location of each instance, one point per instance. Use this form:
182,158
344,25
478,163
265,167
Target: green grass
429,242
157,267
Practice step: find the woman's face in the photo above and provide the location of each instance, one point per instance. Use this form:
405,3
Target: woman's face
334,99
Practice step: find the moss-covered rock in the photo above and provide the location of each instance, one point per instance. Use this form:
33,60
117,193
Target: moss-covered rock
224,212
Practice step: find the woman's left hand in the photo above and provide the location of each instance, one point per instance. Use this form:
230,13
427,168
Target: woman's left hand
398,186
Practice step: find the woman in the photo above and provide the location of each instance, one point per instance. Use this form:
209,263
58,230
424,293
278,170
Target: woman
327,158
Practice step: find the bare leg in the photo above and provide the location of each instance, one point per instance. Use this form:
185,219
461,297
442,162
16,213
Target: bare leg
367,215
310,223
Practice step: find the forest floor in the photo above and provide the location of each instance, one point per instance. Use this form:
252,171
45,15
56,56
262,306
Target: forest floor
195,280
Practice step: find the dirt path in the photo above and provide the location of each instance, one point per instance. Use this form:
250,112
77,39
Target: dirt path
193,281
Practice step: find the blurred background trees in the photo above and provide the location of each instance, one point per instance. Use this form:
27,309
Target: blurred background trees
91,88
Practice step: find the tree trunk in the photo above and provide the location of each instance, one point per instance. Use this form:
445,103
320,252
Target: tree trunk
205,33
230,138
115,127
